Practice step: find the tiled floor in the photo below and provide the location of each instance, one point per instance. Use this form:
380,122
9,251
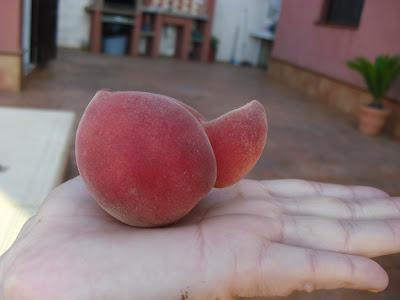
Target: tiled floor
307,139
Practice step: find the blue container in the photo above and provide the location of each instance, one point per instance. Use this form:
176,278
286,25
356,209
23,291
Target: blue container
115,45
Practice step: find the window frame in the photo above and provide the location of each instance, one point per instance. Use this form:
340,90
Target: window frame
323,20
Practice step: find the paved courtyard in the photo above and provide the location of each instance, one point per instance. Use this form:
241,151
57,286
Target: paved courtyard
307,139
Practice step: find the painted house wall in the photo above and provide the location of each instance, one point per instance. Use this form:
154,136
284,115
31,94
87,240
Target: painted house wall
10,45
10,26
325,49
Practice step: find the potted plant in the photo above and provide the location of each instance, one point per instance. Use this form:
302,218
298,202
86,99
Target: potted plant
213,48
378,77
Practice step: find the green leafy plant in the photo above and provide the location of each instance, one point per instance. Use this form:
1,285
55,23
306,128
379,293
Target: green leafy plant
378,75
214,42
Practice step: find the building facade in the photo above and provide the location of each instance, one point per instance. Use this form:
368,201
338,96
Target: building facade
313,44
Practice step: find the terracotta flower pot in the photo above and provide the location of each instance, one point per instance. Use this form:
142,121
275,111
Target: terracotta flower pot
371,120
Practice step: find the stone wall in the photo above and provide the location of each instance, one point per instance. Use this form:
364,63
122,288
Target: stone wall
341,95
10,72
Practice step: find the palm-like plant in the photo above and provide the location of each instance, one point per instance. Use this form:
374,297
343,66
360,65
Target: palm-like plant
378,76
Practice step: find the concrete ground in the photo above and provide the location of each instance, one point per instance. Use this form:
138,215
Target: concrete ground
308,139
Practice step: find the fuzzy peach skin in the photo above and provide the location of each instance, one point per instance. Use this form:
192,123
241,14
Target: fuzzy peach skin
238,139
144,157
148,159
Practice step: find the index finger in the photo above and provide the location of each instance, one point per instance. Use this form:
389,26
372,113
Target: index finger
293,188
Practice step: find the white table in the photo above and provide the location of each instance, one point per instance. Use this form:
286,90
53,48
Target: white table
266,39
34,146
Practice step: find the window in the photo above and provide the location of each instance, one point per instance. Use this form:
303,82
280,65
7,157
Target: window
343,12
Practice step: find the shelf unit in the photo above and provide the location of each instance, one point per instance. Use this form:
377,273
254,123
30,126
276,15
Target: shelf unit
193,31
147,32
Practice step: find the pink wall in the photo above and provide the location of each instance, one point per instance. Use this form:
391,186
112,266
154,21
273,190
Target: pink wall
10,26
325,49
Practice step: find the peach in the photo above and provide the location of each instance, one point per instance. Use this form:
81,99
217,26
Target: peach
148,159
238,139
194,112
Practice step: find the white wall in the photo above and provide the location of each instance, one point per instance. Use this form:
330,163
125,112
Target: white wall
249,16
73,23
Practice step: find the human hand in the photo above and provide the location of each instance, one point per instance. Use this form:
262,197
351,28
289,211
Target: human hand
256,238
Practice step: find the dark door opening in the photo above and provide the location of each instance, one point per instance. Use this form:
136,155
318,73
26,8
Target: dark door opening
43,31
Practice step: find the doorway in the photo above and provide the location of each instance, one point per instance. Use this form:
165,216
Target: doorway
39,36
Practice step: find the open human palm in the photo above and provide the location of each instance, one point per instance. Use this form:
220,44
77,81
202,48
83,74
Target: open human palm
253,239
